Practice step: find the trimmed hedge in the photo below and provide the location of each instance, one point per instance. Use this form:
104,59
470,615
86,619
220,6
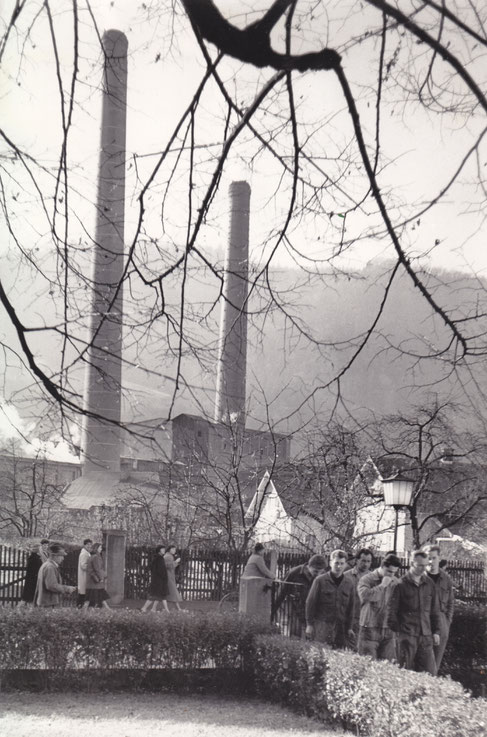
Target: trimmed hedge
62,640
374,698
465,658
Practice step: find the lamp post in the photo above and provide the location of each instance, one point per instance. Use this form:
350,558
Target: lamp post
398,491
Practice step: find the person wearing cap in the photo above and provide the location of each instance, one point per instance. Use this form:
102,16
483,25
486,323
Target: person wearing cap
363,562
296,587
50,588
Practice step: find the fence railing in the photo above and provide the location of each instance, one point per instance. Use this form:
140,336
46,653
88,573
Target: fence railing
13,564
201,574
206,574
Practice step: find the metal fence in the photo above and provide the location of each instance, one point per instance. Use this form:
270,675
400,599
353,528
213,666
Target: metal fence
209,574
201,574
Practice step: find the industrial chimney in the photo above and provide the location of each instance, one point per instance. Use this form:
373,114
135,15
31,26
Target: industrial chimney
101,435
232,352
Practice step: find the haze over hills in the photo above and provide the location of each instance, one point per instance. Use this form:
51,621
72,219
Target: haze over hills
291,356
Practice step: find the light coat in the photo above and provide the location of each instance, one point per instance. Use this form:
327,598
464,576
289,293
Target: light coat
374,599
256,567
83,560
50,587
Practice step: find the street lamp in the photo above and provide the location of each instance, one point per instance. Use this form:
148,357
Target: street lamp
398,491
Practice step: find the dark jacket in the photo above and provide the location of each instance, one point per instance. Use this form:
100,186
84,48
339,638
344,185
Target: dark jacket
414,609
95,572
34,562
446,594
297,587
158,571
331,603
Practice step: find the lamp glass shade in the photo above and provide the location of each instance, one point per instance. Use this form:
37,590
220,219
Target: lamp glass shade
398,491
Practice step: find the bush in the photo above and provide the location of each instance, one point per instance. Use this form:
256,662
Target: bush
465,658
373,698
67,639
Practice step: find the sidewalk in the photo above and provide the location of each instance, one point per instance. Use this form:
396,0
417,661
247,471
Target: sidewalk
143,715
198,605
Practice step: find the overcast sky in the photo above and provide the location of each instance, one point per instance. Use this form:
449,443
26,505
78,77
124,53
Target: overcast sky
165,67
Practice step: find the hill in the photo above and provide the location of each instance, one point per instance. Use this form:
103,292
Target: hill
309,348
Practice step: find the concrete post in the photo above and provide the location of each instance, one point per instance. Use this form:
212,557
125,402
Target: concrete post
255,597
232,352
101,440
114,544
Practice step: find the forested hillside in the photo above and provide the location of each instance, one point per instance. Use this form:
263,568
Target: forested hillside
317,342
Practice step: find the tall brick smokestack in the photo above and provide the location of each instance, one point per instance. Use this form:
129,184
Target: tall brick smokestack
101,439
232,354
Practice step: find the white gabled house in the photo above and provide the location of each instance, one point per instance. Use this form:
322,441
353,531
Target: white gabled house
266,512
282,521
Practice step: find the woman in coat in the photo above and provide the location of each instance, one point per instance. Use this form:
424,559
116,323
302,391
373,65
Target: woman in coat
37,557
158,589
256,567
171,564
96,595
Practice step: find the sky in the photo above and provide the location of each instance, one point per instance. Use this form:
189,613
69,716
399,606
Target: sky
421,149
164,70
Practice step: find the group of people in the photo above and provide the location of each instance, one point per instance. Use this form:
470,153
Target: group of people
376,613
92,576
43,585
163,587
405,620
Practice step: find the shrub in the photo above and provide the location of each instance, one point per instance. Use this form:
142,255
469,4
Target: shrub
373,698
465,658
289,672
67,639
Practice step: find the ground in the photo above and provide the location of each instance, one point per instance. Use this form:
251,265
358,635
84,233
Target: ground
138,715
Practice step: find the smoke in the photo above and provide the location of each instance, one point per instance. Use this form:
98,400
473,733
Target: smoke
16,431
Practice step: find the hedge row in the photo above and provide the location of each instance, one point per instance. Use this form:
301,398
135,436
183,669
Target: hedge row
465,658
68,639
372,698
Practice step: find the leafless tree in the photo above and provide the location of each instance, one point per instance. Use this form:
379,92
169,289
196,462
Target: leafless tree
324,483
316,95
30,494
446,465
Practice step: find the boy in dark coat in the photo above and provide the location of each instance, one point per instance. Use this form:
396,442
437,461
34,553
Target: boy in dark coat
296,588
330,605
414,613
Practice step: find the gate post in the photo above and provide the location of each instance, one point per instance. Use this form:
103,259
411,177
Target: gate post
114,544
